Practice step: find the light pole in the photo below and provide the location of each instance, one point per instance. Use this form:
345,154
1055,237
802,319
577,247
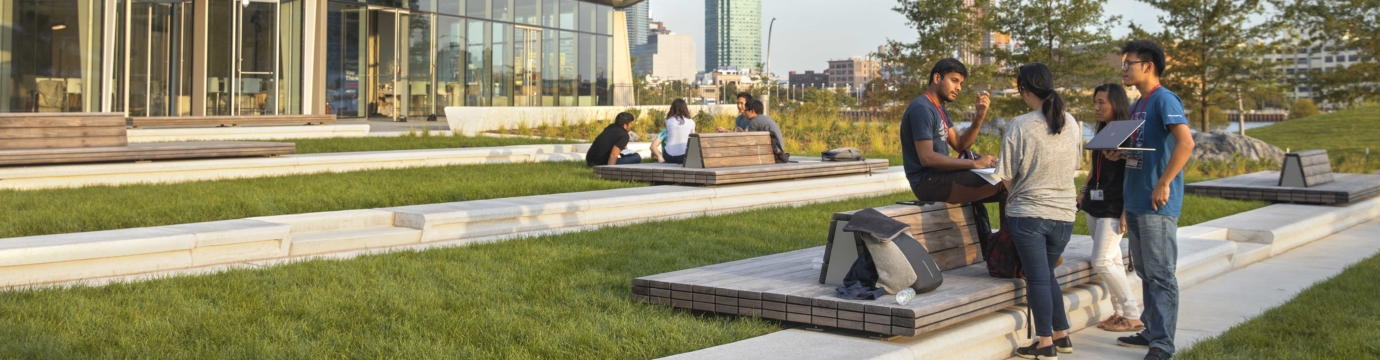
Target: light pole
766,68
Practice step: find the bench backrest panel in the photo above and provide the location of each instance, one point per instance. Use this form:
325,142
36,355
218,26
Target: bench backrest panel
1306,169
729,149
62,130
947,231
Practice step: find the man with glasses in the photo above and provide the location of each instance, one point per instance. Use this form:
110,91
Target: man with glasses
1153,194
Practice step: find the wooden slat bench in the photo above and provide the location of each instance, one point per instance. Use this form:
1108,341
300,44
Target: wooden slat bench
787,286
1307,178
947,231
230,120
58,138
730,158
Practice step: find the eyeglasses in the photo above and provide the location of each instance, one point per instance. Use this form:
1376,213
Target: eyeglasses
1127,64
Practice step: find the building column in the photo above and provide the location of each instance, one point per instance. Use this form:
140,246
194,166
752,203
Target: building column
622,64
314,57
199,47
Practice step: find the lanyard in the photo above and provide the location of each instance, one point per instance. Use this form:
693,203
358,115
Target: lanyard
1144,101
942,116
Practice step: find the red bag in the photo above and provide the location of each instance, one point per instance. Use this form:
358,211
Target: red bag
1001,256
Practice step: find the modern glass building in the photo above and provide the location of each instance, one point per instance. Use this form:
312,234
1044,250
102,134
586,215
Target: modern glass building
353,58
733,34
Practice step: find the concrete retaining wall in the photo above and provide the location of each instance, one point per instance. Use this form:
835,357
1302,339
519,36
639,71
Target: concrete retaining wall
473,120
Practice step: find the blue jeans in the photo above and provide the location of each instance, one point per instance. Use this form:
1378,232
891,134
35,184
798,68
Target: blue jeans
1155,255
1040,243
629,159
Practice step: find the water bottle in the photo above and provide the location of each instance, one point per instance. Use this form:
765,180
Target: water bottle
904,296
817,263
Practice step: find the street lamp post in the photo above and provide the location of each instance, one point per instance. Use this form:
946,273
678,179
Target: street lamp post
766,68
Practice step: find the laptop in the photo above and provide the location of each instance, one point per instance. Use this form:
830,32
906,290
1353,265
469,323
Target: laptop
1114,135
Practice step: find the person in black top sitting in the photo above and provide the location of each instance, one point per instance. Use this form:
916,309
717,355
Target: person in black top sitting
608,147
1101,200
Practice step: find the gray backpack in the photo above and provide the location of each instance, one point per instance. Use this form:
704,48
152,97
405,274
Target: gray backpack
842,154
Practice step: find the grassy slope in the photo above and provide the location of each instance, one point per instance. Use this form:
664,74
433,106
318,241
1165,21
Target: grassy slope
39,212
1335,319
310,146
1345,135
559,296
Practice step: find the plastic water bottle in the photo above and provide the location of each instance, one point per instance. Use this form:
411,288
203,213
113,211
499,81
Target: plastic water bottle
817,263
904,296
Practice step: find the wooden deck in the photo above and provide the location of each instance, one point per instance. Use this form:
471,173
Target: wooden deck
146,151
1264,185
675,174
787,287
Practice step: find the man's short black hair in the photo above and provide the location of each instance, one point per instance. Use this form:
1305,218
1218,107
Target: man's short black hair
1146,50
755,106
946,66
746,95
623,118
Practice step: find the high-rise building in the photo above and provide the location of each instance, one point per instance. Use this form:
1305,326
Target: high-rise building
639,17
732,33
666,55
852,73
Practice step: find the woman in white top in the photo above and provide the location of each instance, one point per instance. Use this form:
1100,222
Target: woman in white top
1040,154
679,126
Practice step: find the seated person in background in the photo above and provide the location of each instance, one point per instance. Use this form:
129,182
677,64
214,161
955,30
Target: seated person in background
659,146
927,134
757,121
679,126
608,146
741,123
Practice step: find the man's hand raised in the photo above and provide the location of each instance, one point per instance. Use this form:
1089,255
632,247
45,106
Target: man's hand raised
984,101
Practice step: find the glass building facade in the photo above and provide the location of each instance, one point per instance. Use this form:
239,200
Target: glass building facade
353,58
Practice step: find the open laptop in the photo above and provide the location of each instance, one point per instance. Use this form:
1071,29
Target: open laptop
1114,135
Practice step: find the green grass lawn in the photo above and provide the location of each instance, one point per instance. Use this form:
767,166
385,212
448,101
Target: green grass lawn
311,146
1335,319
56,211
557,296
1344,134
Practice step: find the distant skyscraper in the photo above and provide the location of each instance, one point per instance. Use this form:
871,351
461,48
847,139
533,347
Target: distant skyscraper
639,16
732,33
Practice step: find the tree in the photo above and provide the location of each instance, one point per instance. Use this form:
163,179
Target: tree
1303,108
944,29
1212,49
1335,26
1072,37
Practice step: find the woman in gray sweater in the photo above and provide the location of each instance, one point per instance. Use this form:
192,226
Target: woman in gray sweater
1039,155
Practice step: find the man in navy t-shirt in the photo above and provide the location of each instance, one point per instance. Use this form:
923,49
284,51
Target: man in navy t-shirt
927,134
1154,192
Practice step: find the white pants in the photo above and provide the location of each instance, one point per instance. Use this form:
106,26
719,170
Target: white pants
1108,262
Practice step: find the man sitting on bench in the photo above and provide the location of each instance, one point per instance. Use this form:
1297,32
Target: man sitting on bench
927,134
609,146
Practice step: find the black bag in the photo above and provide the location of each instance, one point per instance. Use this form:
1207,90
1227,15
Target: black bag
842,154
928,276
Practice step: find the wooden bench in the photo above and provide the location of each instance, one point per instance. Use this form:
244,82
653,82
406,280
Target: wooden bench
1306,169
230,120
947,231
793,287
1307,178
55,138
716,150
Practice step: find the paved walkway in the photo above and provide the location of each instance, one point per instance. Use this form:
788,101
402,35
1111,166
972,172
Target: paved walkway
1215,305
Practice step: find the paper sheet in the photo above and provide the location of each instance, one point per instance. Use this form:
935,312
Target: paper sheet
987,174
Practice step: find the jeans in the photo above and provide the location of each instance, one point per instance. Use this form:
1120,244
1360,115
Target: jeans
1155,254
1039,243
674,159
629,159
1107,261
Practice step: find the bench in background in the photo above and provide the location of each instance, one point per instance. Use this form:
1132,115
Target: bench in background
730,158
57,138
1307,178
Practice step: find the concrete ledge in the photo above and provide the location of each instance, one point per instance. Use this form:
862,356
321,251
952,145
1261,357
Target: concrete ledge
146,135
1286,226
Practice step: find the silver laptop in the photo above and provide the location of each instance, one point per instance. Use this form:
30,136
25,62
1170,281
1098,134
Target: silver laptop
1114,135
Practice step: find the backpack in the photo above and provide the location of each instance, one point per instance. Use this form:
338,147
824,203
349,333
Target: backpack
842,154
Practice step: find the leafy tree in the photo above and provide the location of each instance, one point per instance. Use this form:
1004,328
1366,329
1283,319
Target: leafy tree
1303,108
1213,49
944,29
1338,25
1072,37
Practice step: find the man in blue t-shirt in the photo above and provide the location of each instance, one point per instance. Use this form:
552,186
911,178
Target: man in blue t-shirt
927,134
1154,192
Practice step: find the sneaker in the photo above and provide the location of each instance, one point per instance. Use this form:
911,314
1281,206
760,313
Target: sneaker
1157,354
1035,352
1133,341
1123,325
1064,345
1110,320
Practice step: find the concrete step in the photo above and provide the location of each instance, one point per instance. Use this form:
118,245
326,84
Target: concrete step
1286,226
332,220
353,239
1249,253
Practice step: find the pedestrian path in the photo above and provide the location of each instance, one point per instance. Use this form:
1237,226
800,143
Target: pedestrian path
1215,305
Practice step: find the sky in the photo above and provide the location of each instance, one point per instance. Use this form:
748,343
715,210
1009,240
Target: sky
808,33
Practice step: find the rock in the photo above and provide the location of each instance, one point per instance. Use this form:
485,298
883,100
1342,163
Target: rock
633,137
1222,145
996,126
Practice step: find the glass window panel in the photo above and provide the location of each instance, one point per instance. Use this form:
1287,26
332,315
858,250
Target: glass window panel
450,7
551,15
419,66
527,66
568,69
52,53
586,16
604,54
345,42
476,64
117,77
585,70
503,10
605,14
220,13
477,9
423,5
568,10
527,12
551,65
290,65
501,65
393,3
258,51
450,50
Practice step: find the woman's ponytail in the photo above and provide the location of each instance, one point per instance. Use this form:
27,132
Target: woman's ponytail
1036,79
1053,108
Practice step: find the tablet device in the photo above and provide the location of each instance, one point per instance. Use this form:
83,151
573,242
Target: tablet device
1114,135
